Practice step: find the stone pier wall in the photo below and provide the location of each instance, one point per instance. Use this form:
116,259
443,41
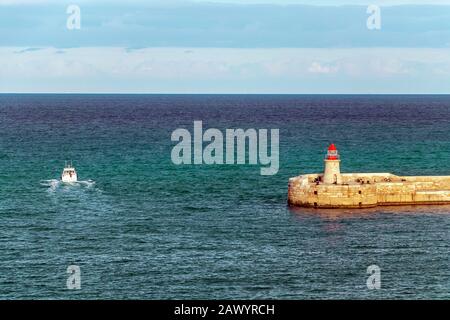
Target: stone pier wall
365,190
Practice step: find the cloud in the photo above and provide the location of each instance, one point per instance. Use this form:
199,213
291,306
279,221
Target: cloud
316,67
215,70
27,50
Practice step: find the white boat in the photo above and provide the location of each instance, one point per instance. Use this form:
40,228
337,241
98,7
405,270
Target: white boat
69,174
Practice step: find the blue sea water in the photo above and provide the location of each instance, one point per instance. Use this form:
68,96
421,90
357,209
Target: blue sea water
141,227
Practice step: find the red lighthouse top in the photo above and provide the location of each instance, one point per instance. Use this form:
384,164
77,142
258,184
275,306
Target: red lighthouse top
332,153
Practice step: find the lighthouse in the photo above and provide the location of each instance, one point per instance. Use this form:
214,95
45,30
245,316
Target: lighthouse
332,173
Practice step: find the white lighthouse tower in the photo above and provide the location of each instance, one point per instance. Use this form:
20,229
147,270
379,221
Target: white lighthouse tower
332,173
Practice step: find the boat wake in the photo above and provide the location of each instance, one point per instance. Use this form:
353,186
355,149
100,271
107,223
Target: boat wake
55,185
81,195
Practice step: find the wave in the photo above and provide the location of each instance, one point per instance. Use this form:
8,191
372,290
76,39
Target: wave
54,185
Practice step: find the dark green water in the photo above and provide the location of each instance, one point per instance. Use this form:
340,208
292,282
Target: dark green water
141,227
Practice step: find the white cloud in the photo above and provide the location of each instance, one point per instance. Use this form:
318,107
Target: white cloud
105,69
317,67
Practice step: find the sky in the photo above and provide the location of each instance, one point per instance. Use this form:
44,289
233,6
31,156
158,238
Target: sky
227,46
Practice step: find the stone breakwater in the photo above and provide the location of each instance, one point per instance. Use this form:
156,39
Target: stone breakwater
365,190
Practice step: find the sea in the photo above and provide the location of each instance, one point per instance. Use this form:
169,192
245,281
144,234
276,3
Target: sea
138,226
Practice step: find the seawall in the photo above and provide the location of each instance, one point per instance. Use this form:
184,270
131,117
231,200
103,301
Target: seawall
364,190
